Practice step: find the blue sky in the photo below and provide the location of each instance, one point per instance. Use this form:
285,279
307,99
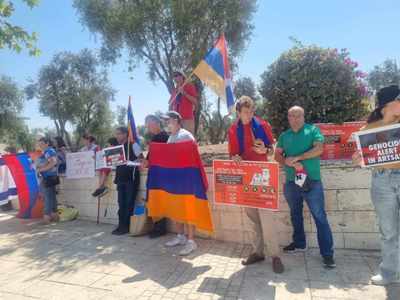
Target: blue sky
368,28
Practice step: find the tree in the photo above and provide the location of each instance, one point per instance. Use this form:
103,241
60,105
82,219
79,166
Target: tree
12,36
325,82
213,126
167,35
386,74
122,115
245,86
72,90
11,104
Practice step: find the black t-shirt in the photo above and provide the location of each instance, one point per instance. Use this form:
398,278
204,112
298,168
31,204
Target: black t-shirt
124,173
161,137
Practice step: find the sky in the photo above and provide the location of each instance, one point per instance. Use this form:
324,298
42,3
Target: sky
369,29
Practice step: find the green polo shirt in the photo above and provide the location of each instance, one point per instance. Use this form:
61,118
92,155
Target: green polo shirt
296,143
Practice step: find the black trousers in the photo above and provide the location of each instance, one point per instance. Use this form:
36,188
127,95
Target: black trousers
127,193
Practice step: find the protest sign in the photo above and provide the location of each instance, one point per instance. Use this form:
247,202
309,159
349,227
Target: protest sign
338,144
248,183
80,165
379,146
100,160
114,156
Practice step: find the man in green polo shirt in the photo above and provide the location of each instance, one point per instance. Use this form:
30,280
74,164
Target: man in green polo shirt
299,149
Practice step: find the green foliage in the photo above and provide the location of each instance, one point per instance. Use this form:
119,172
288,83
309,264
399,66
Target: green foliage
15,37
386,74
245,86
325,82
213,127
72,90
11,104
167,35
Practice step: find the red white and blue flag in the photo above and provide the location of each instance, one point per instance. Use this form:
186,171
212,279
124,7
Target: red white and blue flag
214,71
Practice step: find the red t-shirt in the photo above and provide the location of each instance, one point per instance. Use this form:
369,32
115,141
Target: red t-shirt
184,107
248,153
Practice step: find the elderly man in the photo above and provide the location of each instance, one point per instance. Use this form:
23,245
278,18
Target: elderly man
250,138
158,135
299,149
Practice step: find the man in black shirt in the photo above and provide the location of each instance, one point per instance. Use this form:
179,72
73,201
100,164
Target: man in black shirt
127,179
153,125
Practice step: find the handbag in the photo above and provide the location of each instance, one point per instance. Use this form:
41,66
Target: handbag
51,181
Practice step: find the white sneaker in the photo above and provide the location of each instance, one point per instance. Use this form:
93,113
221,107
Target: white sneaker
379,280
189,248
180,239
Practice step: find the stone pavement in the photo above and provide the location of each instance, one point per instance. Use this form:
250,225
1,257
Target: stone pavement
82,260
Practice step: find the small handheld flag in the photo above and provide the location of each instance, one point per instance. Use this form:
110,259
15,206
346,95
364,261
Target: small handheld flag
214,71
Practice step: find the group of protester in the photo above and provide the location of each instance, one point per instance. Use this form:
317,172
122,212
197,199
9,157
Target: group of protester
250,138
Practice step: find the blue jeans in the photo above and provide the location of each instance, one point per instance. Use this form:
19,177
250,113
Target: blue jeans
316,203
385,194
50,199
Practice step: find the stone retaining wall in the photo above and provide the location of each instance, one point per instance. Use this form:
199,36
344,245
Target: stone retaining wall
348,206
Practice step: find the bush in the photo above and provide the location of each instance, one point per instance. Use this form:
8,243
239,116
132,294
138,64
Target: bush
325,82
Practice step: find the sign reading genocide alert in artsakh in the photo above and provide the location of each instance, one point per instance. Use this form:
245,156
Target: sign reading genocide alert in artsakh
379,146
248,183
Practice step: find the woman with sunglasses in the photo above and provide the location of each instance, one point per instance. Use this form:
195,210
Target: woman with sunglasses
385,189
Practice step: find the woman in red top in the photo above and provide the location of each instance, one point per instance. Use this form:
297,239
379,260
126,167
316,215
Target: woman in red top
184,100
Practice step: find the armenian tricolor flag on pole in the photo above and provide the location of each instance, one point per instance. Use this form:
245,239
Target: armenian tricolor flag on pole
214,71
132,133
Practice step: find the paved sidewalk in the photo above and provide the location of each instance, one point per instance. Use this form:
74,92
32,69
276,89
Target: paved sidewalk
82,260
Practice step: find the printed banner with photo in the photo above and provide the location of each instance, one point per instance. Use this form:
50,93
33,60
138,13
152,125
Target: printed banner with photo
114,156
80,165
338,139
248,183
379,146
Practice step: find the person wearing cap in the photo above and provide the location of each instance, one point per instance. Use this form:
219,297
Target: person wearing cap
178,135
299,149
385,189
184,100
158,135
251,139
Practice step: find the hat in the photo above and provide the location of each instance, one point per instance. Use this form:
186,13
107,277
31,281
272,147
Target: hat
172,115
387,94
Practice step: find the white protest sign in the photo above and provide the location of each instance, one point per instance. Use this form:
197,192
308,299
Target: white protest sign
100,160
80,165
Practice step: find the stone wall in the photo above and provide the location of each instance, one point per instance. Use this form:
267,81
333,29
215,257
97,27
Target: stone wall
348,206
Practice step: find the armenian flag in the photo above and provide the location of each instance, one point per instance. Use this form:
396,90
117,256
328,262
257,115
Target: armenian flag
177,185
132,133
214,71
24,174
